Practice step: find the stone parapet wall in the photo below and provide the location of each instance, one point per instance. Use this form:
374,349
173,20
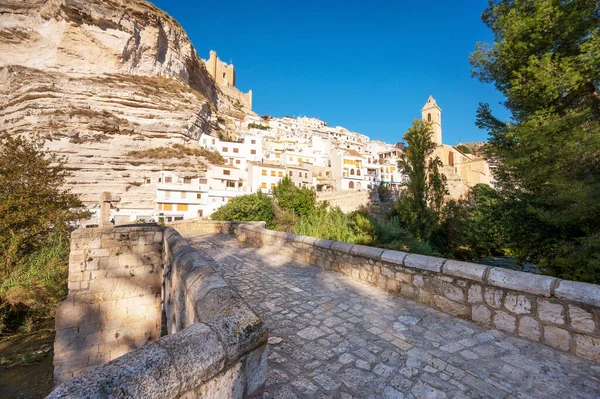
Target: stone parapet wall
216,345
560,313
113,304
210,226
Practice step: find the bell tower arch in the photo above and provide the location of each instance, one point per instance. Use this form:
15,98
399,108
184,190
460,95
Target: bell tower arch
432,113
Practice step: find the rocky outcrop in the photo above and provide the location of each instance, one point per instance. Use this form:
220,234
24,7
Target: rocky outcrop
97,79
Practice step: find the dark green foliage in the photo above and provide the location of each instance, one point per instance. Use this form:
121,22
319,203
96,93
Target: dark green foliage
545,60
299,201
420,206
251,207
470,228
391,235
36,213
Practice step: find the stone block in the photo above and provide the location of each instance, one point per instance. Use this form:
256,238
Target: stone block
581,320
450,306
341,247
493,297
469,271
529,328
557,338
418,281
504,321
551,312
403,277
256,369
585,293
453,292
475,294
587,347
395,257
423,262
323,243
309,240
520,281
367,252
481,314
519,304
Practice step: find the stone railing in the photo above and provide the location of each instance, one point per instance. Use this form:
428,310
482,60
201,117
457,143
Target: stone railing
560,313
213,344
210,226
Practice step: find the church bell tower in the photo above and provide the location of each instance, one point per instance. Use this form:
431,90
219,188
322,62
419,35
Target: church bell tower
433,114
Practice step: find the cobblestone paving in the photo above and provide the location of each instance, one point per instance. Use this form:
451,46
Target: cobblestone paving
333,337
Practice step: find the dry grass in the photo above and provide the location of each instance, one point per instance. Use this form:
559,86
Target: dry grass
178,151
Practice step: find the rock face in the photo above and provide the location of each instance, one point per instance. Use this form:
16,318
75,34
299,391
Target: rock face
97,79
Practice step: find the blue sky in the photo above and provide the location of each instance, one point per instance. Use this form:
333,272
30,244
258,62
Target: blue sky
366,65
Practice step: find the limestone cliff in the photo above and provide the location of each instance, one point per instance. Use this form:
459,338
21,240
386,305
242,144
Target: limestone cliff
98,79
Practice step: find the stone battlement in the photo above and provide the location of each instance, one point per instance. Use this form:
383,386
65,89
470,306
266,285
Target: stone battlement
129,284
560,313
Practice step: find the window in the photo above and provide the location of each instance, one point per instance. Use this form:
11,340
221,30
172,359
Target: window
253,141
277,155
291,173
263,185
167,194
198,196
236,150
168,179
183,195
429,117
159,179
253,152
279,174
200,213
187,180
203,181
358,172
306,174
160,207
226,172
352,172
168,207
148,181
351,185
272,186
224,149
291,158
264,172
230,183
237,161
273,173
182,207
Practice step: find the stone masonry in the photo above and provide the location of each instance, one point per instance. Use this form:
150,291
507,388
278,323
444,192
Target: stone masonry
126,285
559,313
114,303
333,336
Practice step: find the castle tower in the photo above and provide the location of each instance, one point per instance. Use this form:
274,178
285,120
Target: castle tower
211,64
432,113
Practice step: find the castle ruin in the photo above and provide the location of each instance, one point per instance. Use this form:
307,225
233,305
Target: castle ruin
224,76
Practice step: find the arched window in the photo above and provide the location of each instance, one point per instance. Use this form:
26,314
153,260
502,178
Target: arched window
351,185
357,172
428,117
352,172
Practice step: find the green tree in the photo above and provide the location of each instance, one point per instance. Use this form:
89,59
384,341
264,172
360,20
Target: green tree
300,201
36,213
420,205
545,61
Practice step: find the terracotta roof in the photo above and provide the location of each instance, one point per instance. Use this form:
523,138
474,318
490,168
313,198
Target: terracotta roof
351,152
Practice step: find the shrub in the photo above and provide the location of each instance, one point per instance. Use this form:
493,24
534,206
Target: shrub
258,126
251,207
177,151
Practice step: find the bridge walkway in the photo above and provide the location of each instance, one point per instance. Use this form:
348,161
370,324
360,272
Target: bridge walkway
334,337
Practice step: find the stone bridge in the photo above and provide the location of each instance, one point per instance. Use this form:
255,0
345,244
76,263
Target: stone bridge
343,321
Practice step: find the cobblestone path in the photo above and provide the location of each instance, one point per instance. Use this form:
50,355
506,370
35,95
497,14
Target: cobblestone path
333,337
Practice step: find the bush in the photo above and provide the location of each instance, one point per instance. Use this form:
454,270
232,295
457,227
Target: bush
247,208
300,201
177,151
333,224
391,235
258,126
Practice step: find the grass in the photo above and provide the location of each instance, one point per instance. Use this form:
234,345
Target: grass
177,151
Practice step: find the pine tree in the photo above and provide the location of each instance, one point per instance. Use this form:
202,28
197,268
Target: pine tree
545,61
